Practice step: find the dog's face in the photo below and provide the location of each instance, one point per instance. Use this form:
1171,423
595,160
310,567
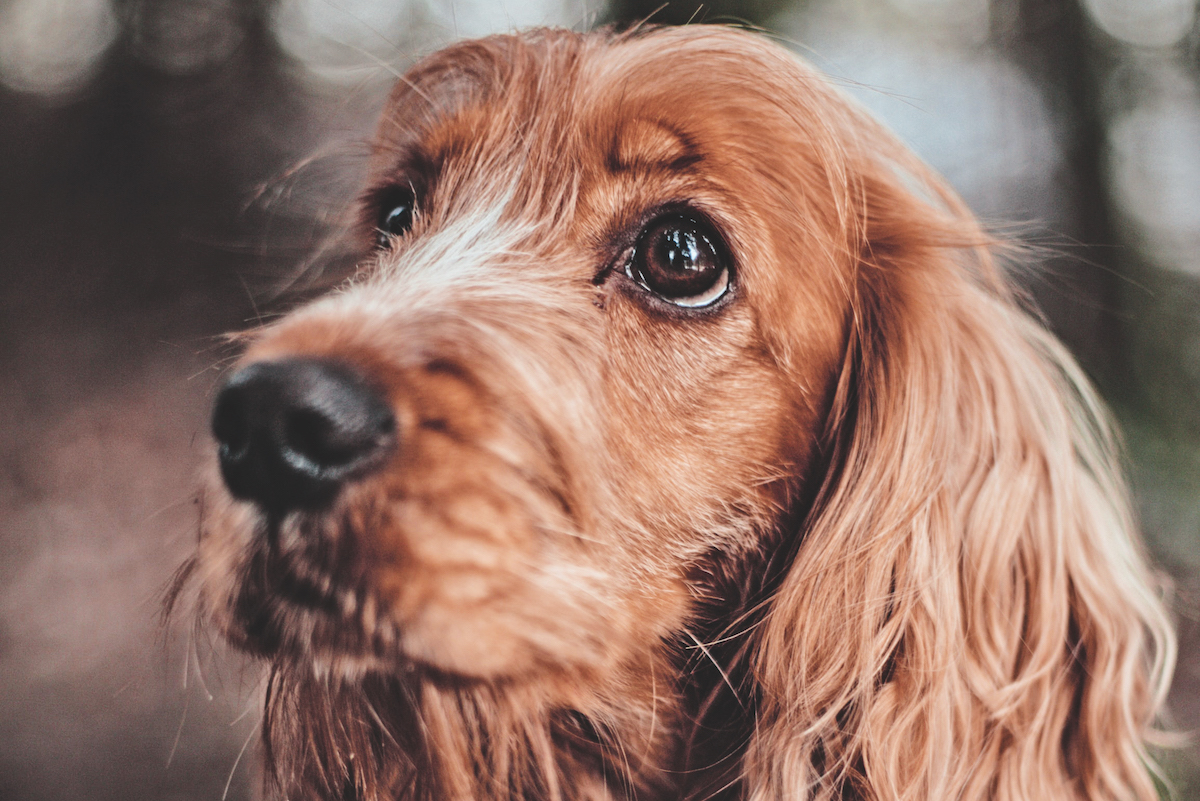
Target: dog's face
589,350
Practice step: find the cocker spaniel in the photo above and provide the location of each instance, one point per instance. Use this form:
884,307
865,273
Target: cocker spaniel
677,437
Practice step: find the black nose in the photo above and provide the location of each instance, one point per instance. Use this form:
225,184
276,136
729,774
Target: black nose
293,432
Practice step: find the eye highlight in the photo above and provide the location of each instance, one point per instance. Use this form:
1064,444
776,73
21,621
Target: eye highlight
397,210
681,259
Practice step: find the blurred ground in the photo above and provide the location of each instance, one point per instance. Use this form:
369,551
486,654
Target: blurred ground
130,239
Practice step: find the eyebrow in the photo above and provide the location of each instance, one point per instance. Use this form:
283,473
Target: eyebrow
647,144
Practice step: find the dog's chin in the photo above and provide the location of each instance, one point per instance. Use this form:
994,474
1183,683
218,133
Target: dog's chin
289,618
287,605
285,613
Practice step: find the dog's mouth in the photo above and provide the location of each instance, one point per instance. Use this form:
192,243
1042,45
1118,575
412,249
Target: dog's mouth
289,601
294,582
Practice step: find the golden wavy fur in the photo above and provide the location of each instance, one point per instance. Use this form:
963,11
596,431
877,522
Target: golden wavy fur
848,524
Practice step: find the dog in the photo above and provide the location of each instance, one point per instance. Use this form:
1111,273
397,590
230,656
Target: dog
679,436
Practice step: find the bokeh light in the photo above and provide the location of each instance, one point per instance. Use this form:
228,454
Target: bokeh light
966,20
339,39
464,18
53,47
1154,158
184,38
1147,23
965,109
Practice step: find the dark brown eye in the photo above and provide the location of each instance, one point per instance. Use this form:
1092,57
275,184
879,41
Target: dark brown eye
680,259
396,213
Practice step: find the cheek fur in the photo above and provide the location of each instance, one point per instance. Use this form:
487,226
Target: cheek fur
720,419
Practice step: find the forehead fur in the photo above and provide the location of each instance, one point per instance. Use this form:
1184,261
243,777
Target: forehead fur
553,95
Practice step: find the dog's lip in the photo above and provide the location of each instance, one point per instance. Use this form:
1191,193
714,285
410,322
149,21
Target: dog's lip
284,578
290,574
282,603
305,591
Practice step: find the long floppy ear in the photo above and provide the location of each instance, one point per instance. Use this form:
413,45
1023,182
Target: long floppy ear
969,614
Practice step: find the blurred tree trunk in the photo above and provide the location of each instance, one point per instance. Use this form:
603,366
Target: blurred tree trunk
1080,288
683,12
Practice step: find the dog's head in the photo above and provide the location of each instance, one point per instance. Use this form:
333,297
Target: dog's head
595,342
656,325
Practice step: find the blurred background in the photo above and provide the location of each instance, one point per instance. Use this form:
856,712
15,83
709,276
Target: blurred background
166,165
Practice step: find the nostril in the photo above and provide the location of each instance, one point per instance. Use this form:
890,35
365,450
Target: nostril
322,440
292,432
316,440
230,426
